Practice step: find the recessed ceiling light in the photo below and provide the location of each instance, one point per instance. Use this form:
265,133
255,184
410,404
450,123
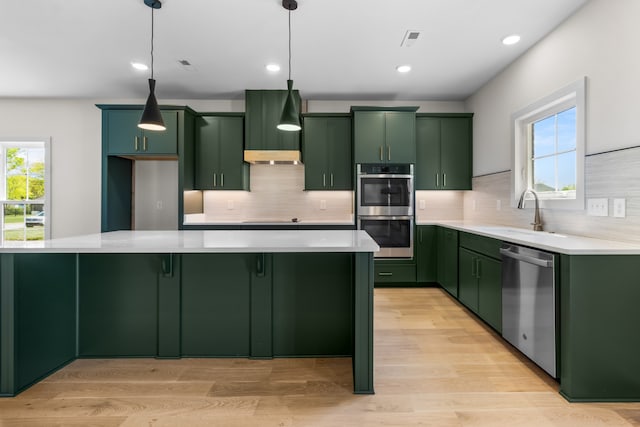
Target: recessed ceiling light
403,68
512,39
140,66
273,67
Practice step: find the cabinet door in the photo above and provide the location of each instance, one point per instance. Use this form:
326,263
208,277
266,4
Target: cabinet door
455,158
340,149
234,172
215,304
119,304
427,153
490,291
263,109
125,137
315,153
369,137
207,152
400,137
468,279
448,260
426,242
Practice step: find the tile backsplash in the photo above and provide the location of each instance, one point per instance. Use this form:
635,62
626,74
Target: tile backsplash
277,194
608,175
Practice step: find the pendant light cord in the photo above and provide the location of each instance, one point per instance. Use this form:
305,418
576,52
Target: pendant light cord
152,43
289,44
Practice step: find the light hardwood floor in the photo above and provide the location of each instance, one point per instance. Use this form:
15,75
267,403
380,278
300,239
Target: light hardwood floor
435,365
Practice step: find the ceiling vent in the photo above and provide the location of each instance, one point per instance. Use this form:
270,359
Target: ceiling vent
410,38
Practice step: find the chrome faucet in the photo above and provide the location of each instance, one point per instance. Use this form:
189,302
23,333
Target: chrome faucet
537,222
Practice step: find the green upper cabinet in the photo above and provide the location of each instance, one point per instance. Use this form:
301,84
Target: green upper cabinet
262,114
124,137
326,152
384,136
219,161
444,151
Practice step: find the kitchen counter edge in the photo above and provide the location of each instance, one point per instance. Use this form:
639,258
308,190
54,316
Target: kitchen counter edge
554,242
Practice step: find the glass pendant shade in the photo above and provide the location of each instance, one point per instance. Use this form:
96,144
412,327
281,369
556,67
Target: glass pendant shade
290,119
151,117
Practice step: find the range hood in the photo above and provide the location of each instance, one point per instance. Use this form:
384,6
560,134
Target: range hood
272,157
264,143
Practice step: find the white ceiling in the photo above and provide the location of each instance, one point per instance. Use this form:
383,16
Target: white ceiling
341,49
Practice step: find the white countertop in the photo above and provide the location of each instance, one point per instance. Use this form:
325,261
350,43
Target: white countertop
198,241
554,242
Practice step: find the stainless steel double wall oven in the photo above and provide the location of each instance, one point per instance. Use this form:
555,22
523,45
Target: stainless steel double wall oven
385,207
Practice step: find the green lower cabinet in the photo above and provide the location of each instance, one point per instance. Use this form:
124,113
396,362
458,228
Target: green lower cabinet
598,327
118,304
215,304
312,304
468,279
395,272
45,320
480,286
426,249
447,260
490,291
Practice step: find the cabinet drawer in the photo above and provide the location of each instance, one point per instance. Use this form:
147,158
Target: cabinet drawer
395,273
481,244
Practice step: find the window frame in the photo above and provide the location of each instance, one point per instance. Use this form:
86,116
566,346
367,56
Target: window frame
26,142
572,95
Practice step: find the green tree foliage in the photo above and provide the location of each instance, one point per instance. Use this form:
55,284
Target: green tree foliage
17,171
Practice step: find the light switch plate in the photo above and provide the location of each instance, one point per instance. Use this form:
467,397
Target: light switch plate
323,205
619,208
598,207
422,204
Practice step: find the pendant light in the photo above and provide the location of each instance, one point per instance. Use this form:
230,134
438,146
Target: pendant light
151,117
290,119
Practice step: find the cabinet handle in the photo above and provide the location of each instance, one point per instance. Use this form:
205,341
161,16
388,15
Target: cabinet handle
221,180
478,268
260,265
473,267
384,273
389,152
437,180
214,180
420,236
135,143
331,176
167,265
144,143
381,152
324,180
444,180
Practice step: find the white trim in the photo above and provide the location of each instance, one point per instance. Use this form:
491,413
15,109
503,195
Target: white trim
571,95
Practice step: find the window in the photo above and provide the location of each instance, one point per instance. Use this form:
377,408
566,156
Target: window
24,191
548,155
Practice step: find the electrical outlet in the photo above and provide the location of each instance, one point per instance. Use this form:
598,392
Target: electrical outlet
598,207
498,204
230,205
323,205
619,208
159,204
422,204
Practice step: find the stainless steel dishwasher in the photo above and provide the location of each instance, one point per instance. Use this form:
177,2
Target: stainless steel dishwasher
529,303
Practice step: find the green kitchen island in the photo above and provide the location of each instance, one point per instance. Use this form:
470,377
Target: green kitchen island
170,294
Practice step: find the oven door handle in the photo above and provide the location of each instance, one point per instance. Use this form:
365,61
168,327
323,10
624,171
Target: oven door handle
384,175
385,217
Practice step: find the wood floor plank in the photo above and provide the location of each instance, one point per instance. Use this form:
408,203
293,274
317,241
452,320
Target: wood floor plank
435,365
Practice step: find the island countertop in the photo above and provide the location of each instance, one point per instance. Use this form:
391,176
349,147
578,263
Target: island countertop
204,241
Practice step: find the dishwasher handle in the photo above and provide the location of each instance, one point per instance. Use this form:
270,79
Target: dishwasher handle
525,258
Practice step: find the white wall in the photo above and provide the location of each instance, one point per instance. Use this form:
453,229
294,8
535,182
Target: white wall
601,42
